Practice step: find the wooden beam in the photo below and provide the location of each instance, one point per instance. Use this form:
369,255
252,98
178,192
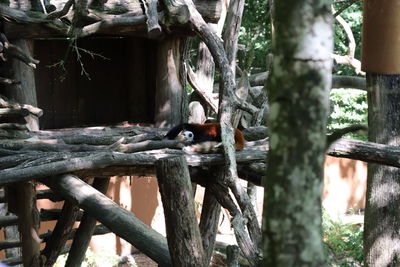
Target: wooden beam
132,22
99,230
120,221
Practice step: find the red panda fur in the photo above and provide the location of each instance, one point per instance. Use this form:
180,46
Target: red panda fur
207,132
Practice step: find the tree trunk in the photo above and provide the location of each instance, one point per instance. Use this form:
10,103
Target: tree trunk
382,215
299,104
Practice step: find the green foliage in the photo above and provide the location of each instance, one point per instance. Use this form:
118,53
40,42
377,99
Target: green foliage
343,242
348,107
103,259
255,35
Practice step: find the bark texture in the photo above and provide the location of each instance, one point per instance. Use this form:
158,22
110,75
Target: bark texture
171,106
183,233
382,215
299,104
122,222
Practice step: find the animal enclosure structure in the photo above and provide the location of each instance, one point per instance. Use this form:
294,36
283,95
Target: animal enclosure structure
112,62
102,64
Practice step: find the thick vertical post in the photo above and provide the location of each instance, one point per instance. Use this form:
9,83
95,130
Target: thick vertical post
171,100
85,231
380,60
382,216
183,233
25,93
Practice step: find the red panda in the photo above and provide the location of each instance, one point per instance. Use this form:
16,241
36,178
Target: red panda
205,138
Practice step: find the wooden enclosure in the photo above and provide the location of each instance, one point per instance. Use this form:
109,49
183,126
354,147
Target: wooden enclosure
119,83
137,74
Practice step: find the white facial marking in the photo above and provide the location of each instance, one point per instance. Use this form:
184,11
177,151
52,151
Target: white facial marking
185,136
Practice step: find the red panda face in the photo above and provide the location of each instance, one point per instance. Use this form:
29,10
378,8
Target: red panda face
185,136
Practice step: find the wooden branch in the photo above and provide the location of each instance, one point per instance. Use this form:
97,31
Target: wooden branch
210,214
344,7
153,28
109,25
55,214
120,221
45,215
60,233
14,126
131,22
111,163
13,111
17,53
349,59
100,160
231,33
238,223
338,81
229,100
49,145
99,230
183,233
8,220
14,51
349,82
207,97
28,221
17,15
7,81
241,92
24,159
258,79
250,215
150,145
339,133
10,104
85,230
62,12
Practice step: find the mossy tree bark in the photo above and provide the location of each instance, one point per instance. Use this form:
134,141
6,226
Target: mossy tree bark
299,103
382,215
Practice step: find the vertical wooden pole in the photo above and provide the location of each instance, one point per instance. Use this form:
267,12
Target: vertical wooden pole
209,219
25,93
170,106
60,233
183,233
382,217
85,231
380,60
